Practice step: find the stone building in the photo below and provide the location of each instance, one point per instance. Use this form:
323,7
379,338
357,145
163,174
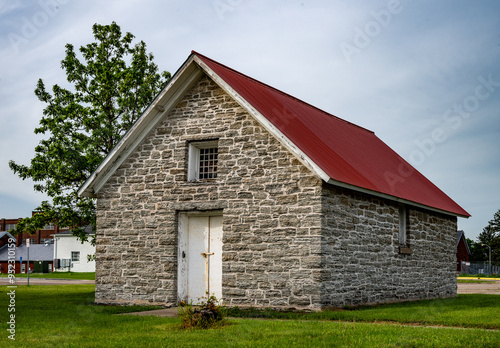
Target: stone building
228,186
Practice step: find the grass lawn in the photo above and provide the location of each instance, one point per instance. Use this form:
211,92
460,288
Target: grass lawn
64,315
471,311
57,275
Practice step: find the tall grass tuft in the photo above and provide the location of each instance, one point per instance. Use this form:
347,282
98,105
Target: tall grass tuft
205,315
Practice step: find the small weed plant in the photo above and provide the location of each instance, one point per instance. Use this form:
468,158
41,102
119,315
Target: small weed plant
207,314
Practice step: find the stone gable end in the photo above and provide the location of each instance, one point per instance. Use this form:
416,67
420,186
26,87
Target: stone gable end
271,208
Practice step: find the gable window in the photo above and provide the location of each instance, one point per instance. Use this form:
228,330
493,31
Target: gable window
203,160
404,247
75,256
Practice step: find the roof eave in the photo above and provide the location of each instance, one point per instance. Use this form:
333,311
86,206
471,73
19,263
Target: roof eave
394,198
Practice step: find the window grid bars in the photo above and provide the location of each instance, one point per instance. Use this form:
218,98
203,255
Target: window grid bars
208,163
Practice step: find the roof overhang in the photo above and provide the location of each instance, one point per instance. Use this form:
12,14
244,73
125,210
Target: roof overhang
392,198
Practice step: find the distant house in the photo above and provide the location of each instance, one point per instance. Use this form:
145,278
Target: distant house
463,252
229,186
70,254
40,258
4,238
39,237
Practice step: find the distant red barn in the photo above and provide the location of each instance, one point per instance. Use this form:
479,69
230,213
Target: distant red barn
463,252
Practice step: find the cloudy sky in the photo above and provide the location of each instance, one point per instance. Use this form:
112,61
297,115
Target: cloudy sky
423,75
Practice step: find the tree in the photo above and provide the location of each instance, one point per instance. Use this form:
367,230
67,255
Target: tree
487,236
491,236
116,82
477,252
495,223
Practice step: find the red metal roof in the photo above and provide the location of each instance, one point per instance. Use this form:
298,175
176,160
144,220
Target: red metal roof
346,152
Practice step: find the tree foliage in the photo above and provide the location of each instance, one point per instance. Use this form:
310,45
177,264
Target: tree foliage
115,82
491,236
495,223
477,252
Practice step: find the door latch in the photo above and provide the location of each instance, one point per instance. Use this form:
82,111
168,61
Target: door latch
206,254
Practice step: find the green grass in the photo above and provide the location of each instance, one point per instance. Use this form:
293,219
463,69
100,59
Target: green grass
64,315
471,311
57,275
478,281
479,275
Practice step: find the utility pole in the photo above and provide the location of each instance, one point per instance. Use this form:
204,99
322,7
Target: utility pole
28,251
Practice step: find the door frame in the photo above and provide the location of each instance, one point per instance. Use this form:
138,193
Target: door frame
182,244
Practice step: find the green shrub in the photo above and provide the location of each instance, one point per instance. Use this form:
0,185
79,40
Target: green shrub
205,315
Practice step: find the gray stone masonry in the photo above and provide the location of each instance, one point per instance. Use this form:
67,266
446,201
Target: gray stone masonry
271,210
290,240
361,263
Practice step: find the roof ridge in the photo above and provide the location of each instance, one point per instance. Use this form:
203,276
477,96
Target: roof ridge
281,92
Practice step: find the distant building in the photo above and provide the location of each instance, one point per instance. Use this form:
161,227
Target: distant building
70,254
4,238
40,258
463,252
39,237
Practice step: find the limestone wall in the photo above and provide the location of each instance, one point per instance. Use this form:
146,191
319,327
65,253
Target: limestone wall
361,259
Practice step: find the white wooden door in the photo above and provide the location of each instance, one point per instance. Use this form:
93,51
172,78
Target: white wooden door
200,257
215,258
